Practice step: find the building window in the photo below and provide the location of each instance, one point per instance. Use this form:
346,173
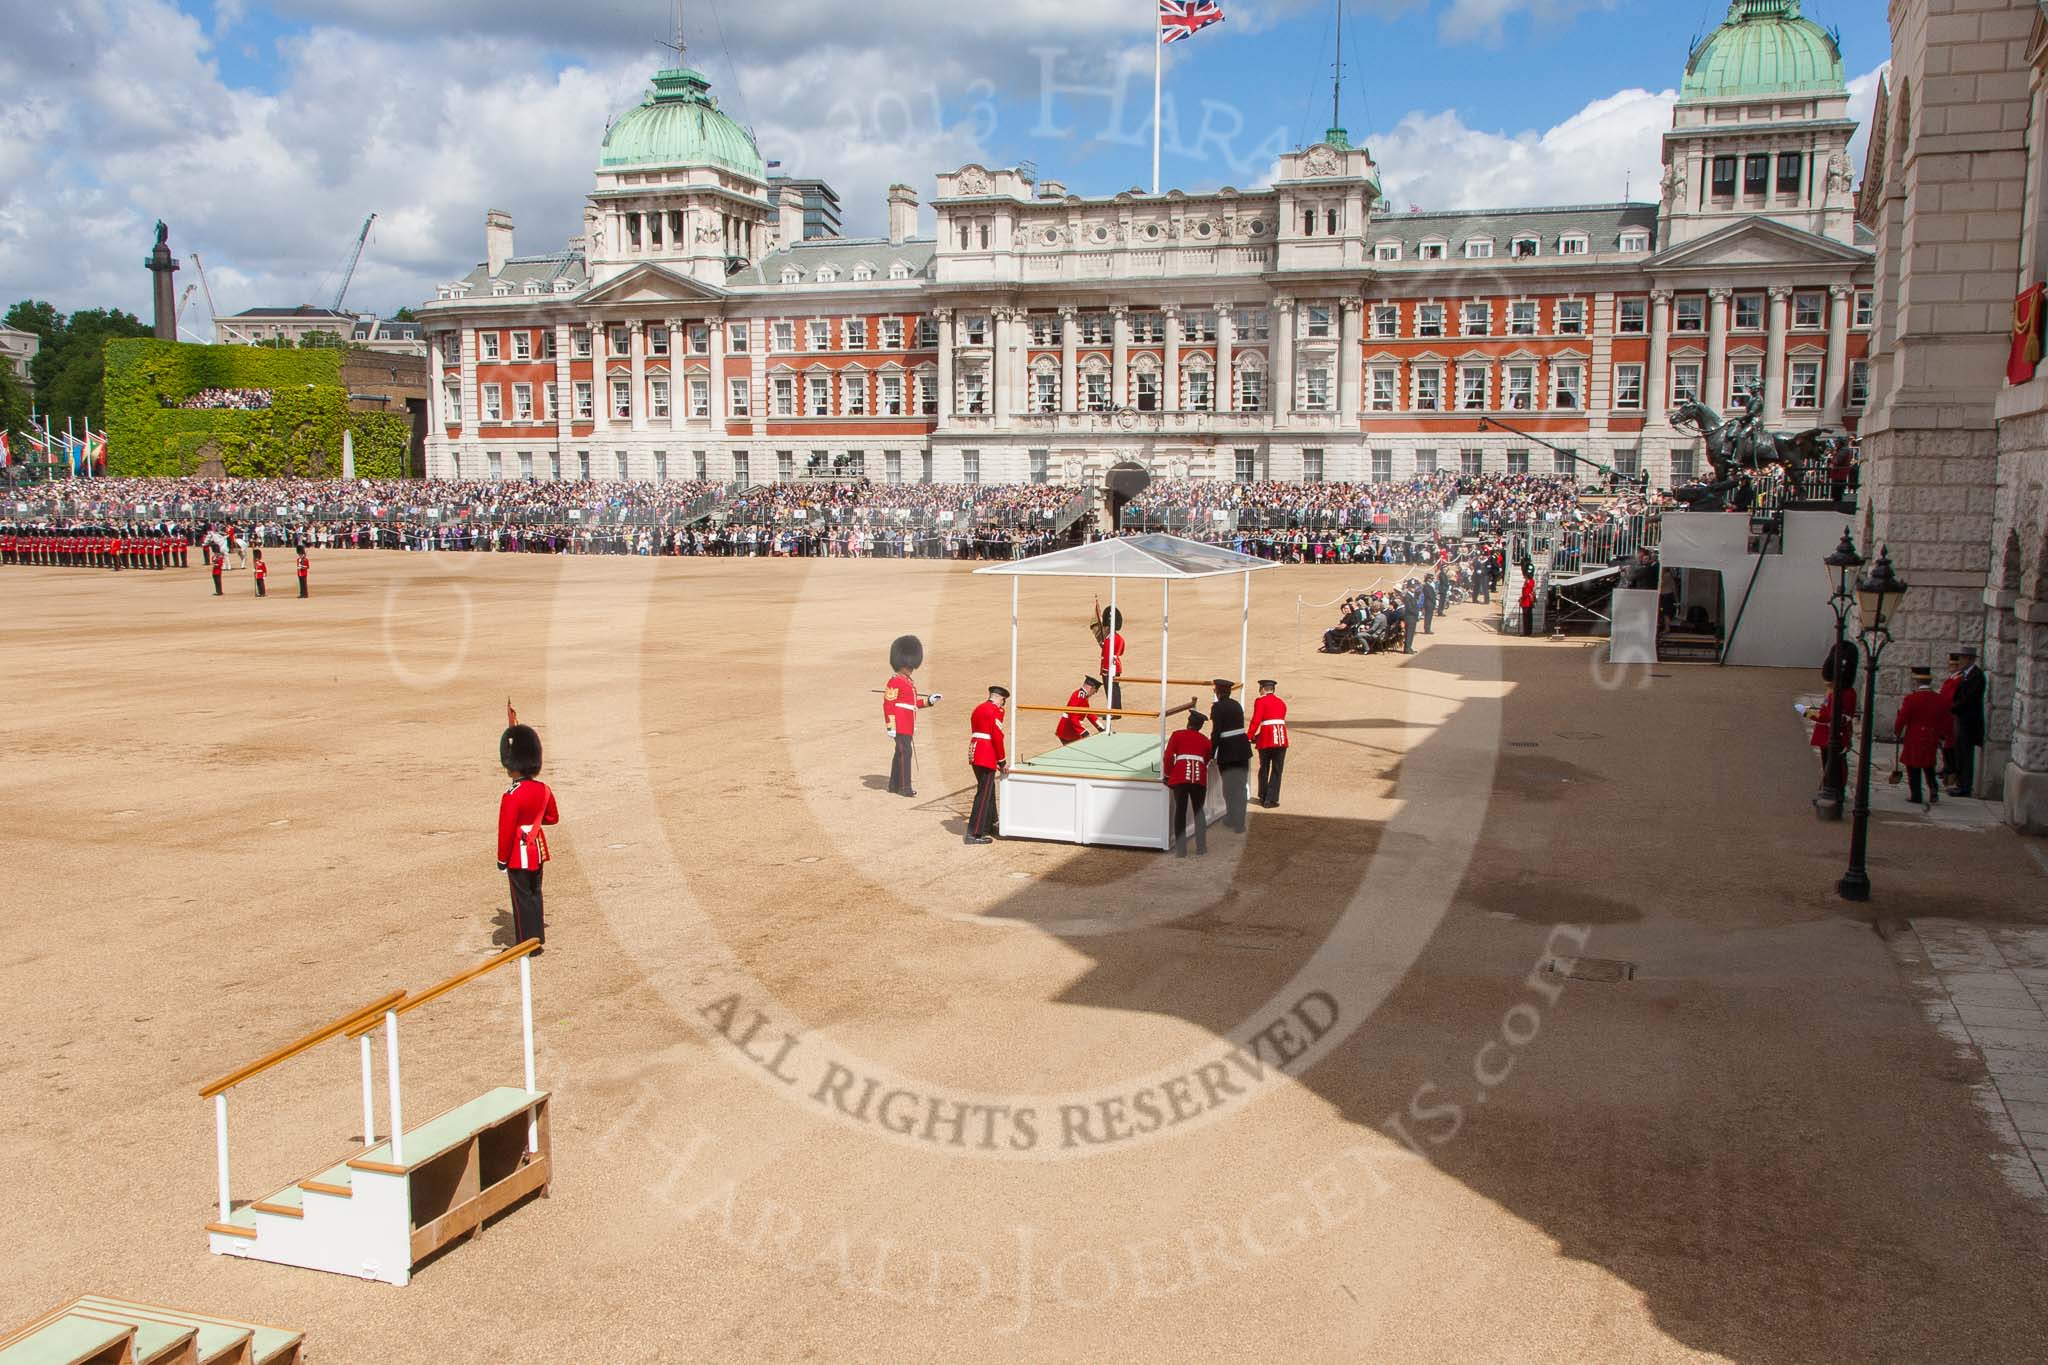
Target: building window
1525,248
1859,383
1691,314
1866,308
1683,465
1472,387
818,335
1806,312
1429,320
1045,393
1244,465
1632,318
785,465
494,462
493,402
977,331
1251,391
784,391
975,395
547,343
579,343
1311,466
1478,319
1148,391
547,400
892,334
586,405
1791,166
856,330
892,395
1724,176
1318,320
699,336
892,466
489,342
1571,317
738,337
1387,251
522,345
522,402
970,466
818,392
853,394
740,397
1385,383
1198,390
1521,388
1563,465
1433,251
1383,466
1756,173
1429,389
927,333
1571,245
657,397
1749,312
1628,386
1628,460
1471,463
657,341
625,470
1685,382
1746,376
791,275
1315,388
740,472
701,466
1096,386
1522,319
1386,320
700,399
782,336
1805,384
661,466
1568,387
928,395
1635,241
1040,466
1518,462
1198,325
526,465
1479,249
622,341
1425,462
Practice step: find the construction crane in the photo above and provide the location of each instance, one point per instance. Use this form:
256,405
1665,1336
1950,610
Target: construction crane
184,302
212,313
349,271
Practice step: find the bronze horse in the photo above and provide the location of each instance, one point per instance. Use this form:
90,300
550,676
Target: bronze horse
1736,444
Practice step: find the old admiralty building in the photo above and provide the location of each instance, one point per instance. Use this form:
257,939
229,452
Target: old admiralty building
1303,331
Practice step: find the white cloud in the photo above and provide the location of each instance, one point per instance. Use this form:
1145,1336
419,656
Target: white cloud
1612,145
1862,101
1485,21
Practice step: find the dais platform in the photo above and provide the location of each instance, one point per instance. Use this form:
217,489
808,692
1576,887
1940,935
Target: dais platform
1104,789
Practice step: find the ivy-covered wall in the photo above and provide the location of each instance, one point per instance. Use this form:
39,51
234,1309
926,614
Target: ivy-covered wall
299,435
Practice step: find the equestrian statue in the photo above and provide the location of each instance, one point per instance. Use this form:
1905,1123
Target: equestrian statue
1743,442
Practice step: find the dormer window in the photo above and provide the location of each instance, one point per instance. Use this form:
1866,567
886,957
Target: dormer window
825,274
1433,250
1387,251
1573,244
863,272
792,276
1522,248
501,290
532,287
1635,241
899,271
562,286
1479,249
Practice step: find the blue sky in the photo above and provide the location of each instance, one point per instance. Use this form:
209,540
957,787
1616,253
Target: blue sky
275,126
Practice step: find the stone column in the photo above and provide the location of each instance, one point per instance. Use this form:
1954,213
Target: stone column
1714,383
1070,378
636,346
437,416
1774,354
600,377
1835,396
1120,356
565,392
1169,395
1281,381
1349,358
1660,358
1223,389
944,317
471,416
999,395
716,329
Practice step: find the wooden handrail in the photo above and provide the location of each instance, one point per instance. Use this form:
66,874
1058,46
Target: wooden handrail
1209,683
461,978
374,1010
1084,711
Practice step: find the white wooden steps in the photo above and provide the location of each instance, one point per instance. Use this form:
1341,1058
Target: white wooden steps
96,1330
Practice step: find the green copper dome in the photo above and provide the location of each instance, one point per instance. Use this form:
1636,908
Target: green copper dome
678,124
1765,48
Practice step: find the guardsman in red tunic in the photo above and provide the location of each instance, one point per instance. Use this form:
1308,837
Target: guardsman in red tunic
900,705
1923,725
1108,631
303,566
1080,721
1184,767
523,810
1269,735
987,754
218,565
261,570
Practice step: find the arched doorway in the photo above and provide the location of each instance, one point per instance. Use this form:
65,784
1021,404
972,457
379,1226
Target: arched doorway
1120,484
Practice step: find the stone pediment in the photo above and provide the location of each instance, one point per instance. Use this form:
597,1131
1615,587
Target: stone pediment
651,284
1755,242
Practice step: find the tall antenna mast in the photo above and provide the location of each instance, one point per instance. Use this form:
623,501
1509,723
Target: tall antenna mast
1337,85
679,47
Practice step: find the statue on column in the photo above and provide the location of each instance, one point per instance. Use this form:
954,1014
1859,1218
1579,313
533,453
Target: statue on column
162,265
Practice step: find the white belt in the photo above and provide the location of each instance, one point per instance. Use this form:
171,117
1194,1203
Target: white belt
979,735
1264,723
903,706
1230,734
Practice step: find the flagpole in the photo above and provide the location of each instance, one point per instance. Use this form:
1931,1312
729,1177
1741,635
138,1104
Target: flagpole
1158,63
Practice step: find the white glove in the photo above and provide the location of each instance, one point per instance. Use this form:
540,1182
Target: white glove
937,697
1799,708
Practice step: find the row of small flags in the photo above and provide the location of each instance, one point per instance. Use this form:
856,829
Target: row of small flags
82,453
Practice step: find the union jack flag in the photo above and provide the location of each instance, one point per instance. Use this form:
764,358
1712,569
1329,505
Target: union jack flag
1180,19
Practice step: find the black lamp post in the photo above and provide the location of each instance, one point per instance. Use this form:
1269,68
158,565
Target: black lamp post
1834,770
1877,601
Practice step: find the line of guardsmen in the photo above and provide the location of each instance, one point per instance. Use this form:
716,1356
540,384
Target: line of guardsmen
94,547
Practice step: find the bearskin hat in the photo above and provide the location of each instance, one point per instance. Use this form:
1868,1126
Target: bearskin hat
1840,660
906,651
519,749
1113,618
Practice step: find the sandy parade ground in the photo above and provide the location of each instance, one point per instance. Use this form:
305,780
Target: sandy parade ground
830,1085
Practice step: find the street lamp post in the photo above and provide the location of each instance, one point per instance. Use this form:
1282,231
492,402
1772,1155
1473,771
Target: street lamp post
1834,770
1877,601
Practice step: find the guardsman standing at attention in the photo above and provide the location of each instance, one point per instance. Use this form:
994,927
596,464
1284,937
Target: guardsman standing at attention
1108,629
986,754
302,570
217,567
1080,721
525,808
900,705
1185,769
1233,751
1269,733
261,570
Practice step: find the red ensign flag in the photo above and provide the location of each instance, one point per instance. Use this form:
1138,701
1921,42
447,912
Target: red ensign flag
2026,337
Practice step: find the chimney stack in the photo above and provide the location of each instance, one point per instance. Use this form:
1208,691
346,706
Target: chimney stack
497,240
1052,189
789,223
902,213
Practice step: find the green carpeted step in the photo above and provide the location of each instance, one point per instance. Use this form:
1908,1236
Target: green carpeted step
458,1125
65,1340
217,1336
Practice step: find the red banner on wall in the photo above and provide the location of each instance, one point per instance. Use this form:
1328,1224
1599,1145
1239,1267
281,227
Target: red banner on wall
2026,336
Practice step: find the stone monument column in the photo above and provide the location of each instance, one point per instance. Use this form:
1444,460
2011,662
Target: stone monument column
1774,354
1119,356
715,334
162,265
1070,393
947,340
636,344
999,396
1836,393
1660,358
1223,389
1714,383
1169,390
1281,400
1350,355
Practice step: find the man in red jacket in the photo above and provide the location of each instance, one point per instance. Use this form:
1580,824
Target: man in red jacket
1923,725
986,754
1269,735
900,705
303,566
1184,767
523,810
1080,721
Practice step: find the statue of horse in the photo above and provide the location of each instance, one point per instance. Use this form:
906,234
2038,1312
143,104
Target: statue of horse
1739,442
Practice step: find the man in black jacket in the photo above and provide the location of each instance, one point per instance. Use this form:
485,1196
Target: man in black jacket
1968,709
1233,757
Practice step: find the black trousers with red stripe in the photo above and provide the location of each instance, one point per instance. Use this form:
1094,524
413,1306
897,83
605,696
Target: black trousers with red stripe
1186,799
526,916
981,817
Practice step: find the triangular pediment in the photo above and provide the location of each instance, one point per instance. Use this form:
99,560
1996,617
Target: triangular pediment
1758,241
652,284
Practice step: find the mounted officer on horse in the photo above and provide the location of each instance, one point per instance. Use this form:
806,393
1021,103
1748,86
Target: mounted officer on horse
1743,442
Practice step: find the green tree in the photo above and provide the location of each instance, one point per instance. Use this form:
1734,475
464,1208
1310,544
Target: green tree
35,315
13,404
405,315
69,370
320,341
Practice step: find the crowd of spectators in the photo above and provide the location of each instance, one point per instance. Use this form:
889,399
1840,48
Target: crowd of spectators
246,400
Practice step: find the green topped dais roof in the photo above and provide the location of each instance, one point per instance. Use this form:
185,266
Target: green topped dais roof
679,124
1764,48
